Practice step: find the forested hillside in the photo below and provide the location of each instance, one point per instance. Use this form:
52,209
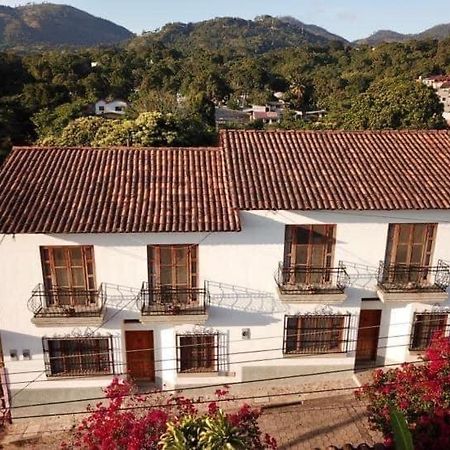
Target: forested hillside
363,87
46,25
441,31
236,35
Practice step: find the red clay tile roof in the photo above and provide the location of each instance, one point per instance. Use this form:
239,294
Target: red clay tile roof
88,190
338,170
78,190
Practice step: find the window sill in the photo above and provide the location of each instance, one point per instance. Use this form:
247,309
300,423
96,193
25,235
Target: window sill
314,355
67,321
205,374
176,319
317,297
73,376
412,297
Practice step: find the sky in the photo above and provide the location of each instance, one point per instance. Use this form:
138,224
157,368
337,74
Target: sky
352,19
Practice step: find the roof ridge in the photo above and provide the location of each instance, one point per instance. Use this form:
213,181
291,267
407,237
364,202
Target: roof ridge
348,132
119,148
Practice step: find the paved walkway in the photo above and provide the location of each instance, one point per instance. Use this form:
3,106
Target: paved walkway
317,424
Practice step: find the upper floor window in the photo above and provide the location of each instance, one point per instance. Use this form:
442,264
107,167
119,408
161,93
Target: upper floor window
309,249
68,274
425,326
78,356
314,334
197,352
409,252
173,266
410,244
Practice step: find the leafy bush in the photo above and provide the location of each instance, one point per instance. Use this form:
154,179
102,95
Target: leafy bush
130,422
421,392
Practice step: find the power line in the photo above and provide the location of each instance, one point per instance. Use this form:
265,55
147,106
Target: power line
253,397
305,333
303,409
301,333
234,383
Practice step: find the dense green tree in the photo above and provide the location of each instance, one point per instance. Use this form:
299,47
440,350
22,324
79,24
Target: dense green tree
395,103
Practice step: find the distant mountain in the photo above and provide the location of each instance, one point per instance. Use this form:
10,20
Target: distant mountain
55,25
437,32
260,35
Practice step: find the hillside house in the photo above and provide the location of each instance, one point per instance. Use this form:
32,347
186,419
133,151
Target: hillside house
441,84
111,109
274,254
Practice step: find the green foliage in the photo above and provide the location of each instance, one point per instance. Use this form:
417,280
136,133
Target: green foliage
202,432
80,132
49,121
182,72
147,130
402,436
395,103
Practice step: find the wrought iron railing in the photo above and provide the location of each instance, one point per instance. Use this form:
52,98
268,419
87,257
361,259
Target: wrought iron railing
66,302
312,280
413,278
169,300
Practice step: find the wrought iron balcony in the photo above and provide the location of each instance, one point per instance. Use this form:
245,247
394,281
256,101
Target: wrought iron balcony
66,302
401,278
312,280
168,300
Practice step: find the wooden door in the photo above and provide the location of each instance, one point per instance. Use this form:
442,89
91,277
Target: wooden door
368,333
140,355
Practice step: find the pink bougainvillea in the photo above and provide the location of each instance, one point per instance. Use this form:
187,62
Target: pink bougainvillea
420,391
137,422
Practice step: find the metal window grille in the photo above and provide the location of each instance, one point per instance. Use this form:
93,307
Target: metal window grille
425,326
81,356
197,353
316,334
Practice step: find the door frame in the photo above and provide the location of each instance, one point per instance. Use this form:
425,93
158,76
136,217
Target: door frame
363,361
152,377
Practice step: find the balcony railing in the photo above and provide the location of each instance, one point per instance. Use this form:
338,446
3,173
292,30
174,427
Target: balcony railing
66,302
413,278
312,280
168,300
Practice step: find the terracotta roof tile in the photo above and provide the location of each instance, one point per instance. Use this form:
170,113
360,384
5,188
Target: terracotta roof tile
78,190
338,170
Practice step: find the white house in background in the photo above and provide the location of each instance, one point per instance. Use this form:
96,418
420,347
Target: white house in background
441,84
111,108
275,254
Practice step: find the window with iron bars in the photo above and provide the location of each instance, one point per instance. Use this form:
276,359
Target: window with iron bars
316,334
197,353
78,356
425,326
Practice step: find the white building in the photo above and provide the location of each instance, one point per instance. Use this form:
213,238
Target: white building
441,84
113,108
275,254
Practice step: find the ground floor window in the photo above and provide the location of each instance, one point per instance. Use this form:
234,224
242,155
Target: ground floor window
316,334
425,325
197,352
78,356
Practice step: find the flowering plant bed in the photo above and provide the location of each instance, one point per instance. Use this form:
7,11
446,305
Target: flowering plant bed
421,392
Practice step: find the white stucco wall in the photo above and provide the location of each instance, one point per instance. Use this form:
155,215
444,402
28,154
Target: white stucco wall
110,107
239,268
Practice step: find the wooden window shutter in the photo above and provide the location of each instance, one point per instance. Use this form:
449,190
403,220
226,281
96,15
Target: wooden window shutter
292,334
186,353
329,247
288,245
192,259
391,244
429,242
